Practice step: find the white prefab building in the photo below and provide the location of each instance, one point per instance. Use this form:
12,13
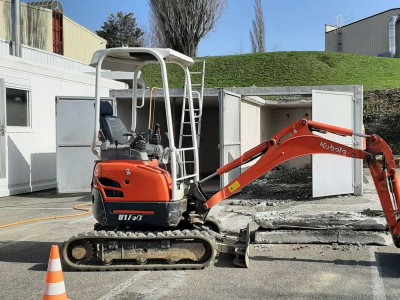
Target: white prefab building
28,94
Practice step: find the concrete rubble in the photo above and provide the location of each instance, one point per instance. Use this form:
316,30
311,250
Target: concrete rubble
274,203
321,220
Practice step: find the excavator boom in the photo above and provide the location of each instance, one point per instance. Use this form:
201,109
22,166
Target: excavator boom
300,139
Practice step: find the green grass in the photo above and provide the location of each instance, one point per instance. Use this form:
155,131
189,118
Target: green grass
291,69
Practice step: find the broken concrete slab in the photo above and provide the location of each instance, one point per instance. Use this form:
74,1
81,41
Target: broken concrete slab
296,237
322,237
322,220
365,238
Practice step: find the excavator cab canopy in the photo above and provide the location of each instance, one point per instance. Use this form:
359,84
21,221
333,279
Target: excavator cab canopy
128,59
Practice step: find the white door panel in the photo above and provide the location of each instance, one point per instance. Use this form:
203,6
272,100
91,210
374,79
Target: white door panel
333,175
75,160
229,132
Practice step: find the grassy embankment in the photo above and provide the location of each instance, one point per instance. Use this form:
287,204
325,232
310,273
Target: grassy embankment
293,69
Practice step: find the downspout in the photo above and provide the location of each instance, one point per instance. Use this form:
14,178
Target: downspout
392,34
16,27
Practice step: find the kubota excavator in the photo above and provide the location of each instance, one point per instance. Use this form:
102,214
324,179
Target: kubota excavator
151,210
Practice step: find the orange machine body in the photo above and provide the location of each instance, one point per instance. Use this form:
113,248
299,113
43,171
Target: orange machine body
134,194
132,181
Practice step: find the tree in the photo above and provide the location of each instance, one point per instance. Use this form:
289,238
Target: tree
121,30
258,34
181,24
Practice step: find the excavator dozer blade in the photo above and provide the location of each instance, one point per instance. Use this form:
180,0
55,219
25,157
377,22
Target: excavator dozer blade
242,248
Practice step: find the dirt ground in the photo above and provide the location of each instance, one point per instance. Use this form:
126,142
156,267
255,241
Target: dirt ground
279,186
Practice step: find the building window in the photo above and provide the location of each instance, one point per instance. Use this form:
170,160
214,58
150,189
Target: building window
58,37
17,107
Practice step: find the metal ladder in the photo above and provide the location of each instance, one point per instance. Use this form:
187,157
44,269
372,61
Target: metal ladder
197,92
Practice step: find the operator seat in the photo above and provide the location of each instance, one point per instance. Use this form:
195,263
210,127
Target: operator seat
116,145
112,126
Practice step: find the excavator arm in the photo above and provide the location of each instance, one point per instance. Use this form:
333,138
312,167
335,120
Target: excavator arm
300,139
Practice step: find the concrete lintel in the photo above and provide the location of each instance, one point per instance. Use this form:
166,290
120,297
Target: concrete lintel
321,220
380,239
259,91
293,90
288,103
295,237
322,237
254,100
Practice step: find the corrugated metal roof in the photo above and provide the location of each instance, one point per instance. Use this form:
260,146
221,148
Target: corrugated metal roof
53,5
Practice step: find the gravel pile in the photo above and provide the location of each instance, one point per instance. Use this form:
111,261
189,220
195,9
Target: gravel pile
279,186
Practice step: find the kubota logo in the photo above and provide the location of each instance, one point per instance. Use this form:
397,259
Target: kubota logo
332,148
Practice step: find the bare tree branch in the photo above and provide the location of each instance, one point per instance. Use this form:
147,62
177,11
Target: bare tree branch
257,35
181,24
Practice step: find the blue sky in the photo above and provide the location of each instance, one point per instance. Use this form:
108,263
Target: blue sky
291,25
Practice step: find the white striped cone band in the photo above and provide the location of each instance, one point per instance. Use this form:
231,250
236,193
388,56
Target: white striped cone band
54,265
53,289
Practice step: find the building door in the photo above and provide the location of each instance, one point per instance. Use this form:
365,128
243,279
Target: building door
74,134
335,175
15,136
229,140
58,35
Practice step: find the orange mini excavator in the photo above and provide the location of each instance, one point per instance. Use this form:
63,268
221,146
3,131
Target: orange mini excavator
149,205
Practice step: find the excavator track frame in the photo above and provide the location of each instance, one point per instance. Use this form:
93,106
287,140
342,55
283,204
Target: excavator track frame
122,238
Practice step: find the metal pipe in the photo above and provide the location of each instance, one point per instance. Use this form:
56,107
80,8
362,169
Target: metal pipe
136,75
97,106
16,27
209,177
392,35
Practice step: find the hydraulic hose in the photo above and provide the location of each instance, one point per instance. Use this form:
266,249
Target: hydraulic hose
76,207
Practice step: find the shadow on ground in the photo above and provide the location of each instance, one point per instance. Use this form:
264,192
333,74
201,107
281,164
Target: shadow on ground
389,264
52,194
224,261
31,252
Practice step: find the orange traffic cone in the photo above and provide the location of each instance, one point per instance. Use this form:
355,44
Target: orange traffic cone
55,287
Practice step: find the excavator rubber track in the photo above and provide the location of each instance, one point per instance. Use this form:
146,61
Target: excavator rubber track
140,251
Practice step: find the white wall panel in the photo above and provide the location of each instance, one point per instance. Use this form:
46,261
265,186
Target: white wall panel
250,129
36,146
4,47
230,104
333,175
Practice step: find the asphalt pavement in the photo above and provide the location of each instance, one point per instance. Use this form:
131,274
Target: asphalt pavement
276,271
